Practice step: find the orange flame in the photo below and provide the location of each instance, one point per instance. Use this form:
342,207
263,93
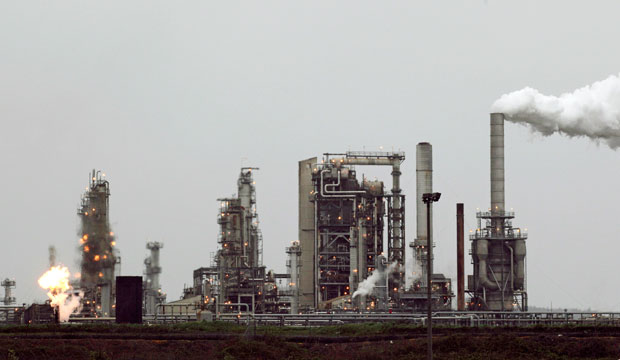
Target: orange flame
55,280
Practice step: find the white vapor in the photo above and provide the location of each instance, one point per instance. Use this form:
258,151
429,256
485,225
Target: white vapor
56,281
366,286
414,273
68,303
592,111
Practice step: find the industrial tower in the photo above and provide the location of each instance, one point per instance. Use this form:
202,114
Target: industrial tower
97,248
153,295
8,286
293,265
238,275
498,248
415,297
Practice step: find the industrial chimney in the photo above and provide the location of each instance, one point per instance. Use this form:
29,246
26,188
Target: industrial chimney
498,249
424,184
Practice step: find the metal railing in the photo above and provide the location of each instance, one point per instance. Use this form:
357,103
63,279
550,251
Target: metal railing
441,318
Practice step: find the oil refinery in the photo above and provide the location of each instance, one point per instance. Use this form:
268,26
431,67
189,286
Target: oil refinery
350,255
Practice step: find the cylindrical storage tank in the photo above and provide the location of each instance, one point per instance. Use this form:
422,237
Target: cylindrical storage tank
497,162
520,253
482,249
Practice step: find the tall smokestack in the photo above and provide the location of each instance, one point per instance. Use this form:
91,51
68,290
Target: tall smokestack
497,163
424,184
460,257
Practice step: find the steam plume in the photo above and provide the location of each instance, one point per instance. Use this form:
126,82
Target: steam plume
414,273
366,286
592,111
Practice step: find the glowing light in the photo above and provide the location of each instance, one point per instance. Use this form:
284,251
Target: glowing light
113,243
111,233
56,280
86,248
96,258
100,274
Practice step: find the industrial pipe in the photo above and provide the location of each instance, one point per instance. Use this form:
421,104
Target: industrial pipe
512,273
324,190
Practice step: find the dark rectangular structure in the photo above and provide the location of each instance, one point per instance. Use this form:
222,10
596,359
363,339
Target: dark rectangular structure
129,299
460,257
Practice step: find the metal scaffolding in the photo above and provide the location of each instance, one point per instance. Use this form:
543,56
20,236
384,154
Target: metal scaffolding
238,276
349,222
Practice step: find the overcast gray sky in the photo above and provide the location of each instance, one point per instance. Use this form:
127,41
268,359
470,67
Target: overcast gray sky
170,98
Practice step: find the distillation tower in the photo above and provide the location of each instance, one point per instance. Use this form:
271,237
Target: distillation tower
341,227
153,295
8,286
238,275
416,296
498,248
293,264
97,248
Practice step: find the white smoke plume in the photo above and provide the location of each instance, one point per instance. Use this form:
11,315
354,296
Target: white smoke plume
366,286
592,111
56,281
414,273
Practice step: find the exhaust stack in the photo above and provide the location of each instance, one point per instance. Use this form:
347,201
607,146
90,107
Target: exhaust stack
424,184
498,248
497,167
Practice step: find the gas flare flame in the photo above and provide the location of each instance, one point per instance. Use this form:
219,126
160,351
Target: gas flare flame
56,282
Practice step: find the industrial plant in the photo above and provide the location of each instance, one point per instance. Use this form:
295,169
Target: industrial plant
349,257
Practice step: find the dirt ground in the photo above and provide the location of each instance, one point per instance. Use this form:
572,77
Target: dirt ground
456,346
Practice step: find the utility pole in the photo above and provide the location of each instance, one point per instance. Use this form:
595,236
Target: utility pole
429,199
